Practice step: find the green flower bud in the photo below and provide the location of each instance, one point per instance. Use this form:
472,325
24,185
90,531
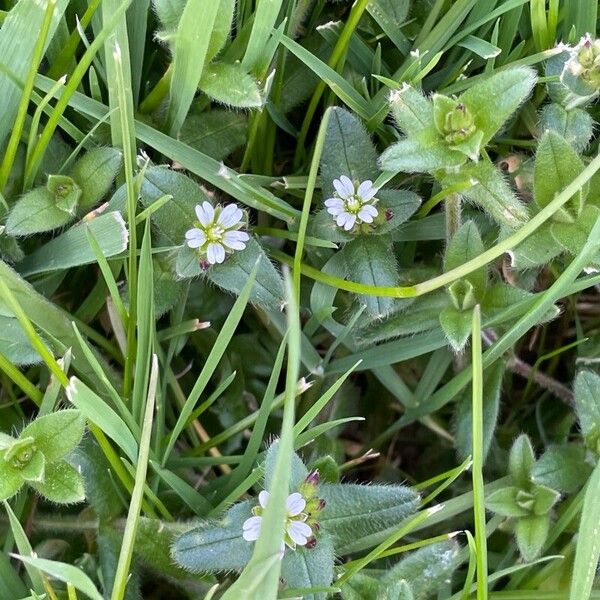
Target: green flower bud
462,294
65,191
525,500
453,119
21,452
585,64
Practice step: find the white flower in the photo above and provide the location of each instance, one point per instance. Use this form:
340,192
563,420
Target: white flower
217,231
352,204
297,531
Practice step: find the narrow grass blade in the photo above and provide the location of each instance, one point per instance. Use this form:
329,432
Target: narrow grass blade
65,573
24,548
103,416
72,248
260,578
37,55
145,325
477,473
133,516
212,361
588,541
190,52
265,19
26,16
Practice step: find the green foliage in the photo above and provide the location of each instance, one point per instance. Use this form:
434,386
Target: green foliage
37,458
229,84
402,161
527,500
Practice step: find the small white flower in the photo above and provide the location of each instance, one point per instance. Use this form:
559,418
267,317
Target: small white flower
297,531
352,204
217,231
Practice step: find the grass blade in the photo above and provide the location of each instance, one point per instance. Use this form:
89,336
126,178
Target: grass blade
212,361
477,473
588,542
131,524
190,51
260,578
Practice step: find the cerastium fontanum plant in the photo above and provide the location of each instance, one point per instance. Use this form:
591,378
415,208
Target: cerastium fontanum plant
299,299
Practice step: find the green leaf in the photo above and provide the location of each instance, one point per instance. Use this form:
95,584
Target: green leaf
36,212
348,150
34,471
267,291
521,461
298,470
531,534
556,165
587,406
65,573
66,192
411,110
545,499
424,316
562,467
399,590
504,502
427,569
421,153
95,173
99,482
496,98
457,327
62,484
355,511
169,12
56,434
167,291
231,85
216,546
310,567
175,217
576,126
11,480
397,206
573,236
221,28
72,248
466,244
216,133
492,388
14,344
587,551
102,415
361,587
370,260
538,249
491,193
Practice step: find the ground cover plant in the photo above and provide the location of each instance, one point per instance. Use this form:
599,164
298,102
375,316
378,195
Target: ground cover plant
299,299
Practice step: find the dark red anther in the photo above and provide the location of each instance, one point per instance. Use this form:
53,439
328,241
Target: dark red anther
389,214
312,542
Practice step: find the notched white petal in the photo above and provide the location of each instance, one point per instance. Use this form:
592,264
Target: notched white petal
295,504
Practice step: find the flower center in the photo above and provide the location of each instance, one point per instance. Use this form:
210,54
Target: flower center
354,204
214,233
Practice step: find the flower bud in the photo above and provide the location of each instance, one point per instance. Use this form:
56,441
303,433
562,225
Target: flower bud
308,488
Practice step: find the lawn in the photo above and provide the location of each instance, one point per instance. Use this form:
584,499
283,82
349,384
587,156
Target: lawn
299,299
